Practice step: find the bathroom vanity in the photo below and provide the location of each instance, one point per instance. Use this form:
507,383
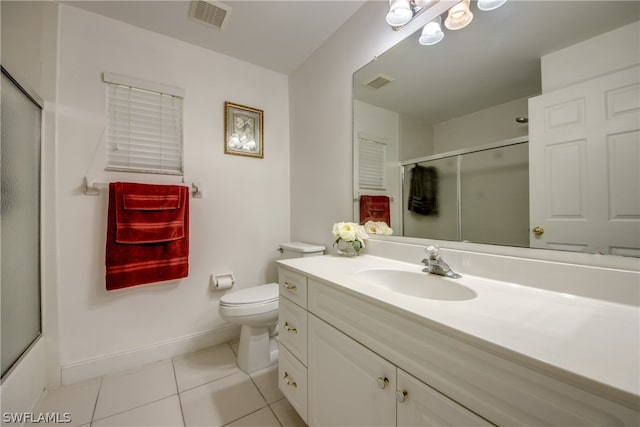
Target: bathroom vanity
363,343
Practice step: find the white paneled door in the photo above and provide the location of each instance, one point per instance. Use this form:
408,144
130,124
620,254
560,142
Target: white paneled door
584,155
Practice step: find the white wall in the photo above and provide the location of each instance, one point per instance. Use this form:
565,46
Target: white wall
235,228
381,125
321,119
416,138
482,127
600,55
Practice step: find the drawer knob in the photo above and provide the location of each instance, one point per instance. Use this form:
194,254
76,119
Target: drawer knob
289,383
290,330
290,287
382,382
401,395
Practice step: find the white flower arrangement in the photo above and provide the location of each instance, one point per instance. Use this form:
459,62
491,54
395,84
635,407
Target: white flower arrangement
350,232
377,227
355,234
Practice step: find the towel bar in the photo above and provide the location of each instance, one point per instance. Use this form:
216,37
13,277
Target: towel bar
92,187
357,199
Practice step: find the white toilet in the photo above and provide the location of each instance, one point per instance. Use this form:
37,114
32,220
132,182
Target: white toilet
256,310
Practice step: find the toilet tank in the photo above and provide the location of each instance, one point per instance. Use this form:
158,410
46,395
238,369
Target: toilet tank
300,249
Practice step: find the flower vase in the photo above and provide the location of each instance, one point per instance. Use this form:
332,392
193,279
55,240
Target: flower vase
346,248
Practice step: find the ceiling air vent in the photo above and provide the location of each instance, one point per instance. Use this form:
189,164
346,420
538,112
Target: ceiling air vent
210,12
378,81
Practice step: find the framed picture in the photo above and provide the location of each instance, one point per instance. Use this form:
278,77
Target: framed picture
243,127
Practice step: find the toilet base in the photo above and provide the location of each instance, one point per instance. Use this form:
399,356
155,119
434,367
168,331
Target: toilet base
257,349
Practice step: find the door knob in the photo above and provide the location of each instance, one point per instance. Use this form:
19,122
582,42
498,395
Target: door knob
538,231
382,382
401,395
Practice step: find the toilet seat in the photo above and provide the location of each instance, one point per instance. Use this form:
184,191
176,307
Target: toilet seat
251,301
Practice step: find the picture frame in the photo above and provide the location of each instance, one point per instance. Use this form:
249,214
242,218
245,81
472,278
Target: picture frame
243,130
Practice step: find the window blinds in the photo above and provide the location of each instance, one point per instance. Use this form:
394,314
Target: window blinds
371,157
144,129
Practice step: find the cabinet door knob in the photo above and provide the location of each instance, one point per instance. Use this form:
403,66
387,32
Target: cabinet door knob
289,383
401,395
290,287
291,330
382,382
538,231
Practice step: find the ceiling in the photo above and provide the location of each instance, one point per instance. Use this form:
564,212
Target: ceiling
494,60
278,35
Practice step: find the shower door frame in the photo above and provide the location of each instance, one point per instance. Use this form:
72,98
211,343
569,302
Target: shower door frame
38,102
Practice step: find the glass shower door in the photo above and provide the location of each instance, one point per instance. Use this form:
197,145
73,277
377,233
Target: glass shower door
20,121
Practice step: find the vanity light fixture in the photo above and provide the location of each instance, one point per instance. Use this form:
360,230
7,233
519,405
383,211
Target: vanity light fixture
459,16
401,12
487,5
432,33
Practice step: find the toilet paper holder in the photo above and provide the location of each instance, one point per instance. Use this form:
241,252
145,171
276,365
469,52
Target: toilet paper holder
222,281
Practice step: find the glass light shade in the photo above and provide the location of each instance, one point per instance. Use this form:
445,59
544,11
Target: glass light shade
459,16
487,5
431,33
399,12
425,3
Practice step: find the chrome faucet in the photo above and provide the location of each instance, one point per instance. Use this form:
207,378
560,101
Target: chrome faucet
435,265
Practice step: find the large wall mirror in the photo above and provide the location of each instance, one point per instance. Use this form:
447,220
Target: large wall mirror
522,129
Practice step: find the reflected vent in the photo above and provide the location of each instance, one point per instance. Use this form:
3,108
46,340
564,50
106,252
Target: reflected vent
378,81
211,13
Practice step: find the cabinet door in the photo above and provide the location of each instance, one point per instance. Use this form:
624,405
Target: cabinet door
349,385
421,405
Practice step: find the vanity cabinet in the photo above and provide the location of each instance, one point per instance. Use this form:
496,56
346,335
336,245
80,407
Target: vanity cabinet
347,358
331,379
348,384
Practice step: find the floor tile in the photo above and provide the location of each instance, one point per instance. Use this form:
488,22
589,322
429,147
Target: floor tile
199,368
220,402
78,400
135,388
234,346
286,414
267,382
165,412
262,418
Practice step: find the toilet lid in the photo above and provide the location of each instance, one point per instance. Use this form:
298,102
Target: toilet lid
254,295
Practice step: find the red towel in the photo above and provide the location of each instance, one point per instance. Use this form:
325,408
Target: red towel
147,234
375,208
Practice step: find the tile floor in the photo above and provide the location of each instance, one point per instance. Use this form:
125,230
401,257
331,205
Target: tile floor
200,389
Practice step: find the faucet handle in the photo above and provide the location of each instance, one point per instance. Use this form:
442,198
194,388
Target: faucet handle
433,251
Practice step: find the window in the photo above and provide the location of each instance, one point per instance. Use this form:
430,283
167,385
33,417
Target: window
371,156
144,126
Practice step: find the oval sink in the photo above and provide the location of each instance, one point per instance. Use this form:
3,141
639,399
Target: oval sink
416,284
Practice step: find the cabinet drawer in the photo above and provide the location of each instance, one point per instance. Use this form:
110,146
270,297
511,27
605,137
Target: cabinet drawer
292,380
293,329
293,286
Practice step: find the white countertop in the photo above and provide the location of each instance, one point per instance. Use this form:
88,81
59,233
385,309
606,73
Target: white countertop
582,339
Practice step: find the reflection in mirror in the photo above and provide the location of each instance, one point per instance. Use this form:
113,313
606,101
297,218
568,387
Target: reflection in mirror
528,118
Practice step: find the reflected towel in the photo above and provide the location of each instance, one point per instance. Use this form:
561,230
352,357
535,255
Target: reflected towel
375,208
152,244
423,190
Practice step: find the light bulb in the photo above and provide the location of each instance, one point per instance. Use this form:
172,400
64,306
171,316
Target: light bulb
399,13
487,5
459,16
431,33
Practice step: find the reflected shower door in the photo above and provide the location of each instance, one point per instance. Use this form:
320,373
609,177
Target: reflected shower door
20,121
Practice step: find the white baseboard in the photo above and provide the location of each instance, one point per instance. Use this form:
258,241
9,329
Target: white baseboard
113,363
